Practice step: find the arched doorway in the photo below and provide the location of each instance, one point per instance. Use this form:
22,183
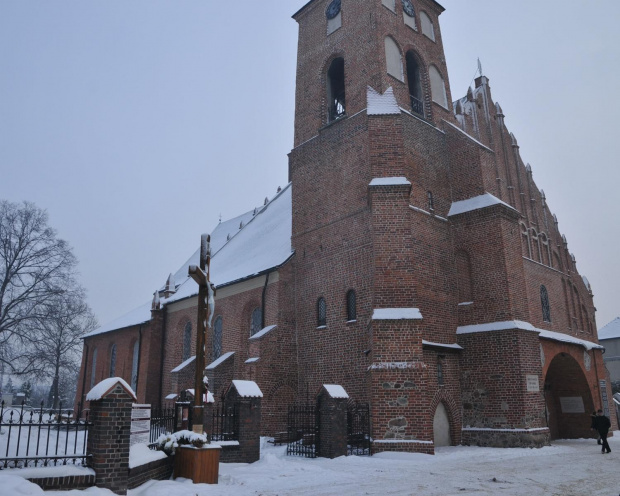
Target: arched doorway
568,399
441,427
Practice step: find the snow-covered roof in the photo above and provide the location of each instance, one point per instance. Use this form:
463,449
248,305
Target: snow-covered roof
390,181
263,331
105,386
525,326
220,360
335,391
396,314
247,389
475,203
262,243
611,330
181,366
378,104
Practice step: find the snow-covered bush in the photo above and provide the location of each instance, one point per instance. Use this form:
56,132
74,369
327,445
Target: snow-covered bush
169,442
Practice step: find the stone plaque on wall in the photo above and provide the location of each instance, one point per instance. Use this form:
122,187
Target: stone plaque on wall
532,383
572,404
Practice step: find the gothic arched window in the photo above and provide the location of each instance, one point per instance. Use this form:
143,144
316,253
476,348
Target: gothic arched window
257,321
335,90
544,302
94,368
351,305
187,341
113,360
217,337
134,365
438,87
525,241
321,312
414,81
393,59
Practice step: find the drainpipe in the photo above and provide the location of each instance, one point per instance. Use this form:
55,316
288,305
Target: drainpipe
139,354
84,375
262,324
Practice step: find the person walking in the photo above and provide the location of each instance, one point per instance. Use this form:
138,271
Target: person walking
602,426
593,428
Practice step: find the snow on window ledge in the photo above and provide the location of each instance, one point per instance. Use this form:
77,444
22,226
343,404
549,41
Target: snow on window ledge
322,327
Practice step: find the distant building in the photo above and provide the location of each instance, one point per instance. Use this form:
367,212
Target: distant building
609,337
411,259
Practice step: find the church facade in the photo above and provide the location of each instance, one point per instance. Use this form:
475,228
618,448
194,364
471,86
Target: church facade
411,259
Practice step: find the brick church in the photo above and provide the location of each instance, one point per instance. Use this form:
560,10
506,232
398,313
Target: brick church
411,259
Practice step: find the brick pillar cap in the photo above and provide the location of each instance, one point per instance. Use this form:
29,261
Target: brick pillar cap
106,386
334,391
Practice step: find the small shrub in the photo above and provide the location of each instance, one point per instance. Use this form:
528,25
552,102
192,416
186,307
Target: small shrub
169,442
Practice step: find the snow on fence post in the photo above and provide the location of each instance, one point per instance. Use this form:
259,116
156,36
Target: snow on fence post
332,410
111,404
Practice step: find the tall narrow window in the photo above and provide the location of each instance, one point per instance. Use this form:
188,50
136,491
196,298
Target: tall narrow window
351,305
393,59
535,245
438,87
217,338
335,89
113,360
431,205
525,241
427,26
415,83
134,365
544,302
463,271
187,341
256,322
439,372
93,369
321,312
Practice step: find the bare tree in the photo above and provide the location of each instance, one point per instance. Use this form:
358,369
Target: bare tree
57,347
35,268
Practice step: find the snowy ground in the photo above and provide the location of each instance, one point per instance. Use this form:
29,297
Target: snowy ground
568,468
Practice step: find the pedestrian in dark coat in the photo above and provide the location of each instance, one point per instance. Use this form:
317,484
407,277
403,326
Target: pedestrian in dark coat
593,428
602,426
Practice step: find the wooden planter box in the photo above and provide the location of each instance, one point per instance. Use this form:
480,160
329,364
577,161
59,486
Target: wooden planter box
198,464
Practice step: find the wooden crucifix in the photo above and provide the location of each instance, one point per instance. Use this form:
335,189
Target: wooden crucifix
206,307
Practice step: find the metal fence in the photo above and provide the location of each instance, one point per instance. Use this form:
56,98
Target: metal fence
39,437
303,430
163,421
358,429
225,422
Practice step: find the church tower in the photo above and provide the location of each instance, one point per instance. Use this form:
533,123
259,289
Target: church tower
372,89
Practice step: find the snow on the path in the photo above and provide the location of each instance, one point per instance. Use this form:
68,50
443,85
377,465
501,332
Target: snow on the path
568,468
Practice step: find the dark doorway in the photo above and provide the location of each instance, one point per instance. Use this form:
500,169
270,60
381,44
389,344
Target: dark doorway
568,399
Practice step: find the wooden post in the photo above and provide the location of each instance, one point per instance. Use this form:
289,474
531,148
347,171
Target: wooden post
201,276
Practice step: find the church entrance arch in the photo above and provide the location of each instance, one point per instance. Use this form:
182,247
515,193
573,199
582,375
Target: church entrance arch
568,399
441,427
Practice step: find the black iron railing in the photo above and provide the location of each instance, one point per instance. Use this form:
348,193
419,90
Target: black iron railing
417,105
358,429
303,430
225,423
38,437
163,421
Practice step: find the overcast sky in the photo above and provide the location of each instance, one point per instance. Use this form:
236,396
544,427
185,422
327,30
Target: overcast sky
137,124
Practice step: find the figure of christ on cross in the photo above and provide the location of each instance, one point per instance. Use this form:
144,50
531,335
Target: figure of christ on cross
206,308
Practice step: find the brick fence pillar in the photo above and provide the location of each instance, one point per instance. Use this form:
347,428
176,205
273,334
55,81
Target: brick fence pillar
332,411
108,440
248,396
